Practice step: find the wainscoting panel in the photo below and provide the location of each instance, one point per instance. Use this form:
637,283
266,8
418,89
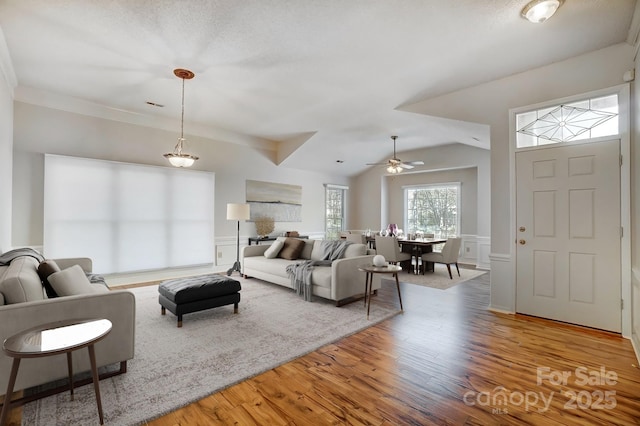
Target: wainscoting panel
475,250
226,250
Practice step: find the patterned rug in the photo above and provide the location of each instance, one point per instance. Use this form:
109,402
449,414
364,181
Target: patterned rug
213,350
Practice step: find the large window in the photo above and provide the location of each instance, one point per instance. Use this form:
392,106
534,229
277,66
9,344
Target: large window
433,209
335,196
127,217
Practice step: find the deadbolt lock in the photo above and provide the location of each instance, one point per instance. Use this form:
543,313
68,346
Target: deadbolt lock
522,229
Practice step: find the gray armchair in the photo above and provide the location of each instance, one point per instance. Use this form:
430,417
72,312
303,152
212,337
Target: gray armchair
448,255
390,249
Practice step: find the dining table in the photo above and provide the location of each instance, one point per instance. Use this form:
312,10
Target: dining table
417,247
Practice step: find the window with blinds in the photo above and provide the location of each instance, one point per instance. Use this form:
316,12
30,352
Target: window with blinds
127,217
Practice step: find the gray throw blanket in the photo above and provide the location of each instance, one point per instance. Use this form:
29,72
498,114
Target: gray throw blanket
300,273
6,258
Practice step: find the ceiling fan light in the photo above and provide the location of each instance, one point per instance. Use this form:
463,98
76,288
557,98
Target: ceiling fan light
394,169
538,11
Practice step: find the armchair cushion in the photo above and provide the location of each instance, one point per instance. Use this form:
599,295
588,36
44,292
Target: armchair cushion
21,282
72,281
46,268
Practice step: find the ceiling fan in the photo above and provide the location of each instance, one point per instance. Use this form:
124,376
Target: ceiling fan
394,164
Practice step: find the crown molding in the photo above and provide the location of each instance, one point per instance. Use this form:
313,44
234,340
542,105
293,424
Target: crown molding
75,105
6,65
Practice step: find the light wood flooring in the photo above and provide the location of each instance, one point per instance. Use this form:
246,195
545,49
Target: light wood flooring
445,360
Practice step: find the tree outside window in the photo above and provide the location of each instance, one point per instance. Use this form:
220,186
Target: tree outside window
335,211
433,209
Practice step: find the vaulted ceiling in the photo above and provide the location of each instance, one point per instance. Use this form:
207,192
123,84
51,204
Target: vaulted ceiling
315,81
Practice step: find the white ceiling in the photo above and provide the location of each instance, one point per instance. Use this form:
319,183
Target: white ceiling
325,78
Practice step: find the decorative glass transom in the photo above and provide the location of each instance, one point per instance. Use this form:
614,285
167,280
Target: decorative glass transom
568,122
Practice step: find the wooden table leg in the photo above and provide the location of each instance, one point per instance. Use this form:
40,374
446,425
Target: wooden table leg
398,287
6,405
366,287
96,383
369,288
70,369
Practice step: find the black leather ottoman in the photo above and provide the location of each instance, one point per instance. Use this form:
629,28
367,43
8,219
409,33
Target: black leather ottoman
192,294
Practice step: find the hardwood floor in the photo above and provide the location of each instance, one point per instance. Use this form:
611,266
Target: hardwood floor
445,360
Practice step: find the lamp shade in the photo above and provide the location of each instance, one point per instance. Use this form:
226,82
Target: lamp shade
238,211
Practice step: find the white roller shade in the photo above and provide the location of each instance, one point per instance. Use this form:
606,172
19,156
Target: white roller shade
127,217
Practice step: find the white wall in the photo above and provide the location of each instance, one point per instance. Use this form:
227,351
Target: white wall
374,196
490,103
6,145
635,211
39,130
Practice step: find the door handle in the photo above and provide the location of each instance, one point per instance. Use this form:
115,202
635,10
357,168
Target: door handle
522,242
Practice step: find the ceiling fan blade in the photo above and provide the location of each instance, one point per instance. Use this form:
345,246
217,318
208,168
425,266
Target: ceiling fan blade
415,163
377,164
405,166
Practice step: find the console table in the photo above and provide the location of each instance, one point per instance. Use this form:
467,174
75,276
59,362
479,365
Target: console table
258,240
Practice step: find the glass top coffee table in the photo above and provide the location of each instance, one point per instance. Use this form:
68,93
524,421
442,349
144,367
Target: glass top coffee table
368,283
62,337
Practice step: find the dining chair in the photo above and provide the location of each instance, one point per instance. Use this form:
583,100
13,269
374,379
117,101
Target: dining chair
390,249
357,238
448,255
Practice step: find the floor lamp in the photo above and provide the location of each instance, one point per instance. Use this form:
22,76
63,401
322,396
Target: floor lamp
237,212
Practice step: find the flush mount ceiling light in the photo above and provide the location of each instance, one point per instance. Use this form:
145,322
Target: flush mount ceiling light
538,11
178,158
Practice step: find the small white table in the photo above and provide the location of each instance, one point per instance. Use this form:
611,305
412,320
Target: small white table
53,339
368,283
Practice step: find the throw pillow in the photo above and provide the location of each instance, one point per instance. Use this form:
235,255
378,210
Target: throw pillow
292,249
274,249
71,281
46,268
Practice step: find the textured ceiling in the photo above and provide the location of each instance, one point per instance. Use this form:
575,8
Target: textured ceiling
326,76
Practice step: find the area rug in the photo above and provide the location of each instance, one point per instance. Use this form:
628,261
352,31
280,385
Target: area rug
213,350
440,277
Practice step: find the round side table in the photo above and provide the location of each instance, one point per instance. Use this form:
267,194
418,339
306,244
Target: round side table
62,337
368,283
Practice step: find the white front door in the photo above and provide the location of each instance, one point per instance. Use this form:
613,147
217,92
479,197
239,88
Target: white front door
568,236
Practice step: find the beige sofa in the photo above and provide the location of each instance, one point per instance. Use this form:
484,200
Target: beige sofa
24,304
341,281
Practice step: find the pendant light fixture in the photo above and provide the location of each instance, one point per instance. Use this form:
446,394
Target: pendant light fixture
178,158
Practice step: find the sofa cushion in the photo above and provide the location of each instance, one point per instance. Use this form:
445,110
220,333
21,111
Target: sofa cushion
321,276
292,248
274,249
73,280
355,249
21,282
46,268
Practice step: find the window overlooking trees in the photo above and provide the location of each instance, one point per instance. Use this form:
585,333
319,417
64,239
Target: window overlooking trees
334,210
433,209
